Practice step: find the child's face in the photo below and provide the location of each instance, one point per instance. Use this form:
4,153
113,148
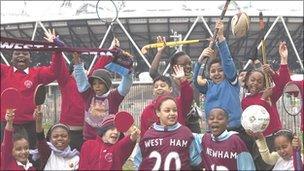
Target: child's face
99,87
217,121
21,150
111,136
216,73
255,82
283,147
60,138
185,62
160,88
167,113
21,59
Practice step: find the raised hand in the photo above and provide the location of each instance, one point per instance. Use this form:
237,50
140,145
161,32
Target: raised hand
283,51
9,117
135,132
76,58
257,135
207,53
50,36
10,114
38,115
267,69
296,142
220,26
178,72
115,43
161,40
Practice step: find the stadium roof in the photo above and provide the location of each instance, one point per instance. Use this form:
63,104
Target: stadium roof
78,25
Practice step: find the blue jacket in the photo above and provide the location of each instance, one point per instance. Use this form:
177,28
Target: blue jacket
225,94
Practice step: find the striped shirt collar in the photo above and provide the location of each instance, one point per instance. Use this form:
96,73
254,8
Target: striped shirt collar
225,135
158,127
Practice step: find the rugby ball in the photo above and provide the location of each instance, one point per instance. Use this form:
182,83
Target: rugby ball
255,118
240,24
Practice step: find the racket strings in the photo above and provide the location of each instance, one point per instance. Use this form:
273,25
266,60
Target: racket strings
116,12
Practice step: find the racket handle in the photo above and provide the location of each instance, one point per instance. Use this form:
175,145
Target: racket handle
297,162
59,42
211,44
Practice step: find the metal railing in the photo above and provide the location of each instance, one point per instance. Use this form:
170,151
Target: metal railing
140,95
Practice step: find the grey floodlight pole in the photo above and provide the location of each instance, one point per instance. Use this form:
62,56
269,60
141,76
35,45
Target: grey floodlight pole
4,59
101,44
34,32
292,43
265,37
133,42
288,34
268,32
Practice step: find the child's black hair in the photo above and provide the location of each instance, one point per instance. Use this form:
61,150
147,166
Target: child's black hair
23,50
206,70
173,59
224,111
249,72
214,61
20,134
163,78
285,133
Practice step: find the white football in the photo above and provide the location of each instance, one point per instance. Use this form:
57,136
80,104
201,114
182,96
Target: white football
240,24
255,118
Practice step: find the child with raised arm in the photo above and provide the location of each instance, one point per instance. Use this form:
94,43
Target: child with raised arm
284,143
222,89
54,151
162,85
14,149
258,94
255,84
107,152
72,107
167,145
183,60
99,100
22,76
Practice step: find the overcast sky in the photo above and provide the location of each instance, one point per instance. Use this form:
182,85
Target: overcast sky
21,11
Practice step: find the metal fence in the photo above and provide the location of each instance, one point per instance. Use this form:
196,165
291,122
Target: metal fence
140,96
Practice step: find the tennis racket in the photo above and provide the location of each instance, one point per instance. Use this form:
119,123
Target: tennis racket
123,121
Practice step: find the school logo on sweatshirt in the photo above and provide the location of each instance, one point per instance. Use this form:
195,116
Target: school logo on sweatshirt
28,83
109,157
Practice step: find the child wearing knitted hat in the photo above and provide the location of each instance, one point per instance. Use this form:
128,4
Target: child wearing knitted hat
99,100
107,152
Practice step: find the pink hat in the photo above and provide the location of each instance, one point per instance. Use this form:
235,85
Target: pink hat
107,123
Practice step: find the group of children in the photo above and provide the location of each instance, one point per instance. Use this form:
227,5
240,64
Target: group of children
166,140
